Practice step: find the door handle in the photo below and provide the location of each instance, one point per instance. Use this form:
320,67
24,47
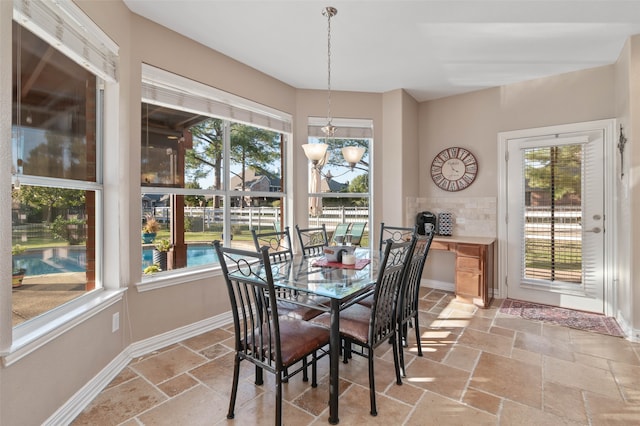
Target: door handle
595,230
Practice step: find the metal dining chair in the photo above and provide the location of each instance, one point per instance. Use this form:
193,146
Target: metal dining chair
407,308
280,250
278,243
395,233
262,337
367,328
391,233
312,240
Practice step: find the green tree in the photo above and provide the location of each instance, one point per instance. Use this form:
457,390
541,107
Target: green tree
335,152
359,184
194,200
556,168
48,199
206,154
251,147
254,148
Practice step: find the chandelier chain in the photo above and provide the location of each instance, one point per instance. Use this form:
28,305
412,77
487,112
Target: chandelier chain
329,15
329,129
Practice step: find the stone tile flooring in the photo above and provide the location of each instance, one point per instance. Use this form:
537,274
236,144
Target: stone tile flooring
479,367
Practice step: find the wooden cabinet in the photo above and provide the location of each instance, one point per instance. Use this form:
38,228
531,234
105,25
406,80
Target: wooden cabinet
474,267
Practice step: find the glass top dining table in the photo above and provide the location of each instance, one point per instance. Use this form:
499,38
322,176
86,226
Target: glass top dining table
342,284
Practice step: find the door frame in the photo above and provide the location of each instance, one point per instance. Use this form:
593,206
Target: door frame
608,127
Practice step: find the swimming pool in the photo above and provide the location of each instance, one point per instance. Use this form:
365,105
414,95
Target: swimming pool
197,255
52,260
73,259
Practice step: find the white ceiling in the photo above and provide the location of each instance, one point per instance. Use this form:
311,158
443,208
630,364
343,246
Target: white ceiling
429,48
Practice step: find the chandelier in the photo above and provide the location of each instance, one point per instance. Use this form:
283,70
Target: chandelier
317,152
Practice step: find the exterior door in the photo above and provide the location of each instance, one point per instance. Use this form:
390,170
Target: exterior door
555,220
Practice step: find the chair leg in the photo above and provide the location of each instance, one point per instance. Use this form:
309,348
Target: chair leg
400,352
305,374
372,385
314,370
259,376
346,351
404,342
396,360
234,388
417,327
279,398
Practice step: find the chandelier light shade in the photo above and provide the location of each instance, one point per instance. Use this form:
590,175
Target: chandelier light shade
315,151
352,155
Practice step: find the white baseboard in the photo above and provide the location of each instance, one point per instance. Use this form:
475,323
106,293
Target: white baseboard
74,406
160,341
632,334
438,285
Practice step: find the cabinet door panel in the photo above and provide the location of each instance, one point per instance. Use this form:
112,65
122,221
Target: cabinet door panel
472,263
439,245
473,250
468,283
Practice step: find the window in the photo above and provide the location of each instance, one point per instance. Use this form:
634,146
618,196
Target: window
58,79
339,193
204,175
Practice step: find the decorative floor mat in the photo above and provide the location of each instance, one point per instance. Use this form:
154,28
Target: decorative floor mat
562,316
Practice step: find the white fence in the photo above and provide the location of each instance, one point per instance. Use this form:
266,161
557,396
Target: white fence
264,217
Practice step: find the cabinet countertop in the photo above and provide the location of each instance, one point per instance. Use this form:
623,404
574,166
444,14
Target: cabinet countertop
468,240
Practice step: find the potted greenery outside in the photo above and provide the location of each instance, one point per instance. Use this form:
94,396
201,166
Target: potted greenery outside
150,229
160,253
151,269
17,274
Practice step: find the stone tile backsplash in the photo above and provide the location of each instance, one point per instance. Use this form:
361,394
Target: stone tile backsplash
473,217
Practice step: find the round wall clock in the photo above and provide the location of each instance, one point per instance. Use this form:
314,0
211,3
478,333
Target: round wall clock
454,169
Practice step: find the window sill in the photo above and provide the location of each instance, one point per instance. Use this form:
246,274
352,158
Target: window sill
156,281
34,334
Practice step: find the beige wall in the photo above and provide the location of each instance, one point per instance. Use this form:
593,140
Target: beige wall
33,388
400,167
631,183
622,195
473,121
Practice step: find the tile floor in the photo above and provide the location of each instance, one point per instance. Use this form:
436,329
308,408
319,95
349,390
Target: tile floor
479,367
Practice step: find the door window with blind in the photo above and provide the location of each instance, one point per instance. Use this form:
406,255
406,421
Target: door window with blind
210,170
553,213
556,220
339,191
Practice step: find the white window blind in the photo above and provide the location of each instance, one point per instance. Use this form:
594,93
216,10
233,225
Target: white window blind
346,128
68,29
162,88
556,175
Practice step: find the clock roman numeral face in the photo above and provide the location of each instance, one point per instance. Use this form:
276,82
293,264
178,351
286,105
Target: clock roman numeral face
454,169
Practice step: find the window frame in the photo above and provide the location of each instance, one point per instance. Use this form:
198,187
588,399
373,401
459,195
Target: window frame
163,88
346,129
81,40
